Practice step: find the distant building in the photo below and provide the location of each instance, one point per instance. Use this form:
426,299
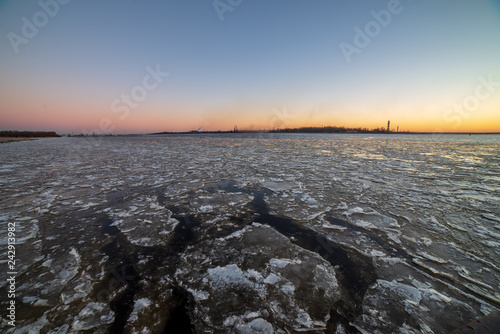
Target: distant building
389,126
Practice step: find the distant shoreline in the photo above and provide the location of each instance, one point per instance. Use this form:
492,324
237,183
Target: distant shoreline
16,136
9,136
325,132
5,140
278,132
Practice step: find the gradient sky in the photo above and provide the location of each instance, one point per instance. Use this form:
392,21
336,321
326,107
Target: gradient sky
266,64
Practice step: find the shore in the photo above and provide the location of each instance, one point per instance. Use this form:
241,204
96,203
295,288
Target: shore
4,140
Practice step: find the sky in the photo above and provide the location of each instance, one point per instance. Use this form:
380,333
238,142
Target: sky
75,66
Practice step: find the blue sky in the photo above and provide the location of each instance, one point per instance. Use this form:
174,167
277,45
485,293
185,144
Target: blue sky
266,58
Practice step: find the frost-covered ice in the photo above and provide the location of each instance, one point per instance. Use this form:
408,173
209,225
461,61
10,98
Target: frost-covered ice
227,276
93,316
252,233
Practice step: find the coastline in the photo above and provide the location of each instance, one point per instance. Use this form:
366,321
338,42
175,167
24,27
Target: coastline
6,140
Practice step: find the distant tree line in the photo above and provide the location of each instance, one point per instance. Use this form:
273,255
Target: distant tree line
328,129
307,129
28,134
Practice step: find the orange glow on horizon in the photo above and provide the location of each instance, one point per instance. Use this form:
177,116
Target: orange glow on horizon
64,116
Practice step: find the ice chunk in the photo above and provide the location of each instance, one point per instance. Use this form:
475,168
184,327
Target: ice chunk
139,306
426,241
237,234
206,208
288,288
281,263
316,215
272,279
376,253
35,301
199,294
255,326
340,329
334,227
304,319
252,315
34,327
222,277
309,200
431,257
93,315
251,273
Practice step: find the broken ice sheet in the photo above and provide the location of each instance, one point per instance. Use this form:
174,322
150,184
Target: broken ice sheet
246,268
424,216
390,305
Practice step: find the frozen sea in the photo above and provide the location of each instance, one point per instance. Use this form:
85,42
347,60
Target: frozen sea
251,233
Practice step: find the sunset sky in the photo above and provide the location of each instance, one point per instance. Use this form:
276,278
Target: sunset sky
177,65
